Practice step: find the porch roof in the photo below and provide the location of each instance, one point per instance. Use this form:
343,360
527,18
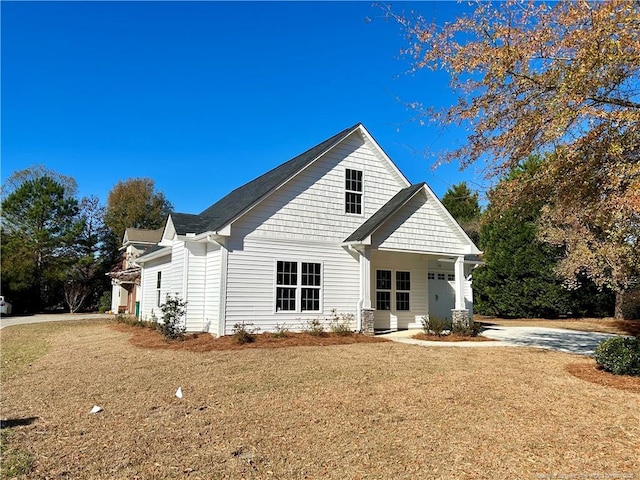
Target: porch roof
129,275
385,212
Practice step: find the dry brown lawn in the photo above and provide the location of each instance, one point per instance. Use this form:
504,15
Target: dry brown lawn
373,410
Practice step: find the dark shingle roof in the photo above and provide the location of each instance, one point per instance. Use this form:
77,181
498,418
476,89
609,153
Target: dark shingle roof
386,211
153,249
142,235
242,198
188,223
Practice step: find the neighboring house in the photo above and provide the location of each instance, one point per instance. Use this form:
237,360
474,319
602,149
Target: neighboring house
125,278
338,227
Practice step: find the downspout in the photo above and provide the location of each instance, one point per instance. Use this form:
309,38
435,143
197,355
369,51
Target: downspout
222,303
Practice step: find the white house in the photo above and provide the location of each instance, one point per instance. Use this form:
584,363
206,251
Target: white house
337,227
125,278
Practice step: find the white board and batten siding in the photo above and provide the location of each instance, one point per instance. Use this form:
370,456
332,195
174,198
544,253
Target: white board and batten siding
251,282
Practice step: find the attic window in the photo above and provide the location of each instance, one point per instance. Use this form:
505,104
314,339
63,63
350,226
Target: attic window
353,191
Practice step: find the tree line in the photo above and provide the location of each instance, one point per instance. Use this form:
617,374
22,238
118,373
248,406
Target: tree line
519,275
548,98
57,249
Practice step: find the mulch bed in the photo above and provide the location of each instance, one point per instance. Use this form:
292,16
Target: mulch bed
205,342
590,372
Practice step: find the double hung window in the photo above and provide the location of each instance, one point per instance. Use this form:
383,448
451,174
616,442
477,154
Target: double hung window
386,290
353,191
158,287
298,286
403,289
383,289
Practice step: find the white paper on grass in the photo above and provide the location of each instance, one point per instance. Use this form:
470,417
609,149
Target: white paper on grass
179,392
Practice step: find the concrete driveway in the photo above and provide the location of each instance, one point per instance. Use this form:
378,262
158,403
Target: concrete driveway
570,341
52,317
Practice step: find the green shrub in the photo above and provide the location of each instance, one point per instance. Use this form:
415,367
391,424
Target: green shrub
619,355
244,332
471,330
104,304
434,325
173,310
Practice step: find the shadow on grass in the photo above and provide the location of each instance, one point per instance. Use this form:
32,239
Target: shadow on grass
17,422
631,327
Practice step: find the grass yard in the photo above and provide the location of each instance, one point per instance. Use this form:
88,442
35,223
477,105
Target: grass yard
359,411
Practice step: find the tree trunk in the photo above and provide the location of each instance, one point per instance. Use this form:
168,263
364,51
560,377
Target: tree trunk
628,305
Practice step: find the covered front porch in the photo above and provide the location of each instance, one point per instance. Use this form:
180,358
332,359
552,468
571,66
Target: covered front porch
399,289
124,291
415,262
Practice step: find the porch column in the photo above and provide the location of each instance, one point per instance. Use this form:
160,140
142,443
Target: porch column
366,312
459,314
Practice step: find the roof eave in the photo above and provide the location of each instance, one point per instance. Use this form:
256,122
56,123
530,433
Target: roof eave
162,252
228,223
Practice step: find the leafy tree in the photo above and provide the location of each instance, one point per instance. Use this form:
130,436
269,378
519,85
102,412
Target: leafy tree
519,278
134,203
561,79
463,205
34,172
39,225
86,279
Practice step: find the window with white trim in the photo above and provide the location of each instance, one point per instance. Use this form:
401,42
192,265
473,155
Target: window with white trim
403,289
431,276
158,286
441,276
298,286
383,289
387,289
353,191
451,277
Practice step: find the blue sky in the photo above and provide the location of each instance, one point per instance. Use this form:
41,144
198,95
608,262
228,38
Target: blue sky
205,96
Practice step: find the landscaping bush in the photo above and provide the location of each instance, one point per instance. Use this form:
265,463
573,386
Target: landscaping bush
341,324
104,304
434,325
173,310
280,331
619,355
314,327
473,329
244,332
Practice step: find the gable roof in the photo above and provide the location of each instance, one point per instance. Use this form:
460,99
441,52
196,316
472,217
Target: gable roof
385,212
231,206
141,236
